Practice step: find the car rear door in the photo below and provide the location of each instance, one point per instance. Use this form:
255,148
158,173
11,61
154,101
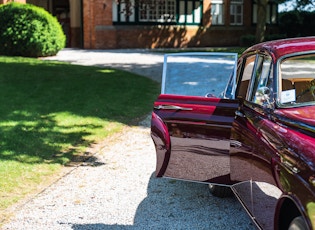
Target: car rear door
191,123
252,145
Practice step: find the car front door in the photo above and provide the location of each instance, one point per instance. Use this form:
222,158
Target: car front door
191,123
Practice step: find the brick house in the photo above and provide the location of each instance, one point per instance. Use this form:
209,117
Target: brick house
105,24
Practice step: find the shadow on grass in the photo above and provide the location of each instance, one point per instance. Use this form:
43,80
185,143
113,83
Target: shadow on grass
49,110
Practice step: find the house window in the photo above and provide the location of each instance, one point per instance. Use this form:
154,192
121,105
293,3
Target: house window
190,12
236,12
158,12
272,13
124,12
217,12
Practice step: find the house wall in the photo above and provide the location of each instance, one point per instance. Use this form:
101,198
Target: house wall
40,3
75,23
98,14
167,37
100,33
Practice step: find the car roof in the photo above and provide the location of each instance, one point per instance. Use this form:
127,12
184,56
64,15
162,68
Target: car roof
283,47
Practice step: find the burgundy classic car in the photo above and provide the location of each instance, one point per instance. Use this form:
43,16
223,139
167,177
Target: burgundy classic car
245,125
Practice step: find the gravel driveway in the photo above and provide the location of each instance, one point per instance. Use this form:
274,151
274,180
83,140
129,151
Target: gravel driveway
117,189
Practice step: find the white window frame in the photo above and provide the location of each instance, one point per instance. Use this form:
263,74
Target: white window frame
217,12
158,11
190,12
236,12
122,14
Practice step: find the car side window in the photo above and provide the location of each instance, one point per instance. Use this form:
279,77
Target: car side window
261,86
245,74
202,74
297,80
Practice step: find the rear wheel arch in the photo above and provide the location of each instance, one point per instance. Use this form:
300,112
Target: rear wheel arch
162,143
287,210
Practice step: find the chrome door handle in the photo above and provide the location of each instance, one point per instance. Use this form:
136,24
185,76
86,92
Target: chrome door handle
171,107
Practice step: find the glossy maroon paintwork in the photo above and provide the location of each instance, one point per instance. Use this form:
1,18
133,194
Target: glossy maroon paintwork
302,115
276,148
273,152
266,155
206,122
280,48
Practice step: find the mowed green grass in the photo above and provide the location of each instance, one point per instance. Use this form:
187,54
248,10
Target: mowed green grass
52,111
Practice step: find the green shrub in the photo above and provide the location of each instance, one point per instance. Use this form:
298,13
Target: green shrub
290,23
250,39
297,23
308,23
272,37
247,40
29,31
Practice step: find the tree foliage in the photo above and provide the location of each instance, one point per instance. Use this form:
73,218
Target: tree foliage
297,24
262,13
304,4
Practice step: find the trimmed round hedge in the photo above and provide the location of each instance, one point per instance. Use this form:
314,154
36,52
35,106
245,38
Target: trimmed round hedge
29,31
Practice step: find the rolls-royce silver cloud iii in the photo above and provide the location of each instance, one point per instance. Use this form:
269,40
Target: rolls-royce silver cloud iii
244,125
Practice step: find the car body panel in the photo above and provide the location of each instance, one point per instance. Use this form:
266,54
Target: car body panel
256,137
198,128
251,157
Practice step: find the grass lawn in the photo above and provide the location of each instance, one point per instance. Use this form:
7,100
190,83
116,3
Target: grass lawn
52,111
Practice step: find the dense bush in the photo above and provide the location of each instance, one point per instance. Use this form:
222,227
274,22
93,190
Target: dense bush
308,23
250,39
297,23
247,40
30,31
289,23
272,37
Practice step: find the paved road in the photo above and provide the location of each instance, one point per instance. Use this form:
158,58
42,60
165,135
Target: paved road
117,189
139,61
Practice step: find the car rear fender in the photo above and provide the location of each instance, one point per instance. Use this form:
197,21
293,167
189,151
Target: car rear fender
162,142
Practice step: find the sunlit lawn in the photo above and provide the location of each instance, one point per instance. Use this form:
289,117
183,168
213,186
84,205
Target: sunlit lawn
51,111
